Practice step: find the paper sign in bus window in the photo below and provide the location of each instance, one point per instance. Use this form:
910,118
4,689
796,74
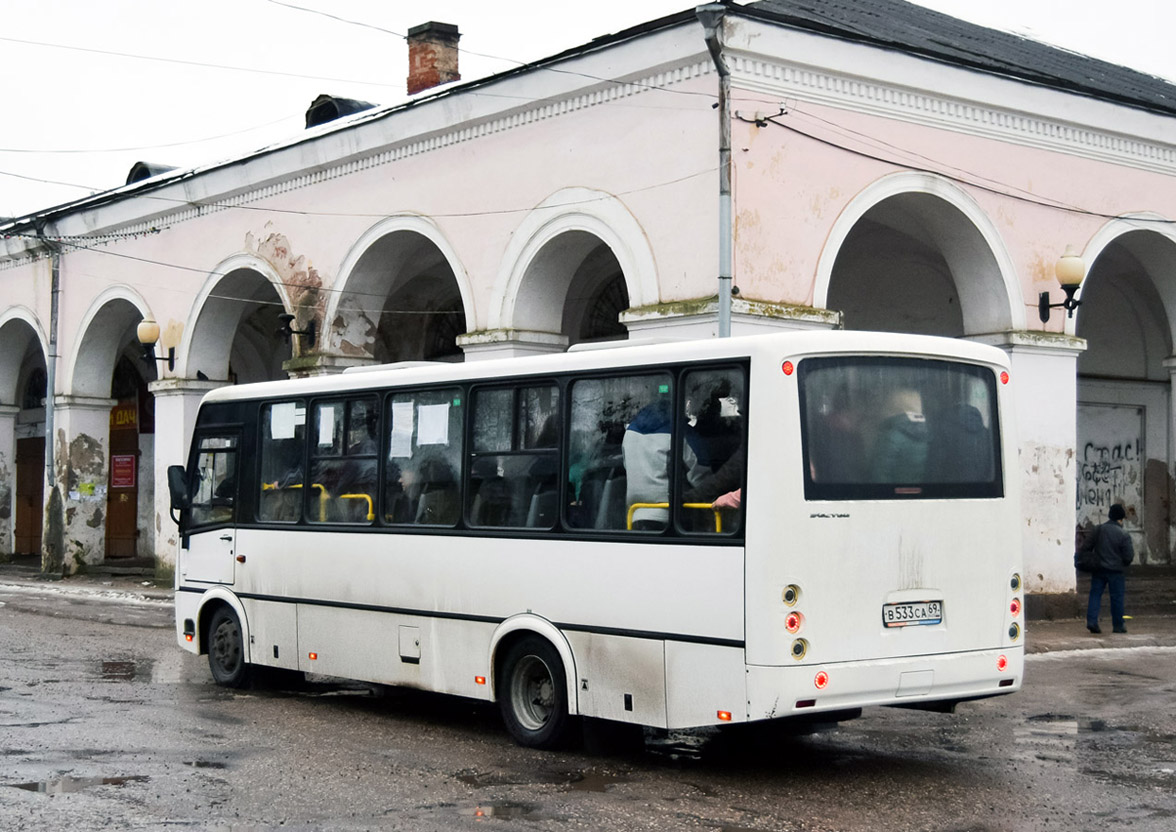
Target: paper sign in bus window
402,430
434,424
282,420
326,436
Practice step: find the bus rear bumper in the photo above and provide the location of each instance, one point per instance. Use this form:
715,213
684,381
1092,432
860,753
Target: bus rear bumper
914,681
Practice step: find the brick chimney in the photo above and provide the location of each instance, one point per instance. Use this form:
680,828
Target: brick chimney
432,56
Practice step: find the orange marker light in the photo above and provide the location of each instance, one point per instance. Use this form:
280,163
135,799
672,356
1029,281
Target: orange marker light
1004,377
821,680
1002,663
724,716
787,367
479,680
188,636
312,656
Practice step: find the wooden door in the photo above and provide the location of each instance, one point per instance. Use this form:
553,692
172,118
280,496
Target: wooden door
30,494
122,492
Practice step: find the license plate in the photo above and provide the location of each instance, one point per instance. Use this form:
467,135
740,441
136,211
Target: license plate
919,612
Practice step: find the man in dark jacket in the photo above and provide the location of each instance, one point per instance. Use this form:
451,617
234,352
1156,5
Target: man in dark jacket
1113,553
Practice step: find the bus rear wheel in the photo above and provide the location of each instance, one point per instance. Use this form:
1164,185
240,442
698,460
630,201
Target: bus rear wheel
533,696
226,650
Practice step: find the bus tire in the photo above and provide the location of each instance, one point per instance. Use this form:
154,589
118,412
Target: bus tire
226,650
533,697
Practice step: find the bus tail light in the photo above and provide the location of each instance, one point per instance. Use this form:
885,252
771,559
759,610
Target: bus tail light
799,648
1004,377
1002,663
790,595
821,680
787,367
1014,631
1015,607
793,621
1015,583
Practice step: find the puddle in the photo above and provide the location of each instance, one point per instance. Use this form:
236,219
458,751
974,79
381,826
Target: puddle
205,764
593,781
124,670
505,810
67,785
1054,738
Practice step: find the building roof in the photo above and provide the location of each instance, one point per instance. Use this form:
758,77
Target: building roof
906,27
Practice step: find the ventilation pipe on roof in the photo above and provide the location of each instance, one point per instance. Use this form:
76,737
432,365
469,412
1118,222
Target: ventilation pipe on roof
711,18
145,170
432,56
329,107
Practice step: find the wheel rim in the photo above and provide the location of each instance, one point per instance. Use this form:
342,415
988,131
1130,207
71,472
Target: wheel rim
533,693
226,647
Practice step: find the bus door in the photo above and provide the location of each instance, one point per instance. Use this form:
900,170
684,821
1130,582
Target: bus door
210,536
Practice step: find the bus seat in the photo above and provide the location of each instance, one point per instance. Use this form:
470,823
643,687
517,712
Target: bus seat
541,513
438,507
611,514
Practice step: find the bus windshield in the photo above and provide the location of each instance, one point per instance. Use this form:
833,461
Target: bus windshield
898,428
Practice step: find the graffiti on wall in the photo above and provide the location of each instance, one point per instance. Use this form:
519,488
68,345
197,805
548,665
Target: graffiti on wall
1110,463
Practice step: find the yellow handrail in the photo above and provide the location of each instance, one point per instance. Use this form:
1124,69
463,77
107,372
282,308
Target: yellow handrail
371,512
635,506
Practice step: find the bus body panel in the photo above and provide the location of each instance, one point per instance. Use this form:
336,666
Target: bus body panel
620,678
906,680
703,680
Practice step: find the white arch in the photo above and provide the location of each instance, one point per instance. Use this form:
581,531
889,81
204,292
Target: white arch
234,263
910,182
574,209
416,224
10,372
1109,233
85,334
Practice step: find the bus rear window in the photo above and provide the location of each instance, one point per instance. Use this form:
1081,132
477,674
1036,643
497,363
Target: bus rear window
893,428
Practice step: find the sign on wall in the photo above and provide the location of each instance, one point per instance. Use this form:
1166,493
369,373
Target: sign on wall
1110,463
122,471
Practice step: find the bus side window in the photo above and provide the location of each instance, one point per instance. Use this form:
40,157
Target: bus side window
425,430
714,449
283,446
618,456
514,475
343,461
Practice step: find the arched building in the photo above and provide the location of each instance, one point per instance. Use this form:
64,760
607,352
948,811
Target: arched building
891,168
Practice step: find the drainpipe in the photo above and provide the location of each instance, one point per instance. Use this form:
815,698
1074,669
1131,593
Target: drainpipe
51,359
711,18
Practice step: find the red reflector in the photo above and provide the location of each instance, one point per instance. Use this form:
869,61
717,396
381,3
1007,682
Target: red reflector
793,621
821,679
1015,607
1001,663
479,680
312,656
724,716
1004,377
805,703
787,368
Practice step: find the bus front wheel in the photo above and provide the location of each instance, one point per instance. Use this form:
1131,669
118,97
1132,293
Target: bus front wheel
226,650
533,696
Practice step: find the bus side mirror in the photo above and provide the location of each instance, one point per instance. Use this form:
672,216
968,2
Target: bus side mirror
177,484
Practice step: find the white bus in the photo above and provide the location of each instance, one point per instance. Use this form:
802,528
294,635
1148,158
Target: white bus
542,532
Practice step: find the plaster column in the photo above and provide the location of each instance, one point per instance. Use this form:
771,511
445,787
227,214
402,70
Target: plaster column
176,402
8,415
510,343
1044,375
75,535
699,318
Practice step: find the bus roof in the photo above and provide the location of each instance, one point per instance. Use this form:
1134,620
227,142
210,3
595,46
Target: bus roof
772,347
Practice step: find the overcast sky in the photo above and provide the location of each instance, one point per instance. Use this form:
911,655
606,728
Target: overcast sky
92,86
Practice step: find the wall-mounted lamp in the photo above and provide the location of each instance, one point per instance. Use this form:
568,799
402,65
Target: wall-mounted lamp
285,330
1069,270
148,334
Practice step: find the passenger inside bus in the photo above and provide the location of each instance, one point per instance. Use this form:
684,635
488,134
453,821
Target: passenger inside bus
646,451
900,445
